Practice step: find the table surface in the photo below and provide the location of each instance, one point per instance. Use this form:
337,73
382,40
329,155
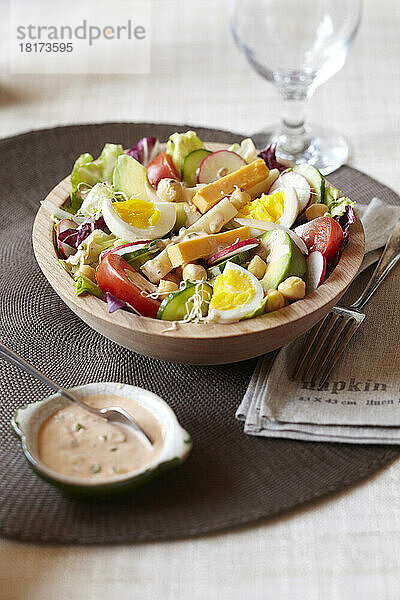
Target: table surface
345,547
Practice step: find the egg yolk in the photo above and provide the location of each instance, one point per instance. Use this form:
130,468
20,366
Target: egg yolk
231,290
137,213
265,208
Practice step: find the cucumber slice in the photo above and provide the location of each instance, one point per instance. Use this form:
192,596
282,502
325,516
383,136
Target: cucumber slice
283,258
191,163
241,258
137,258
176,306
315,179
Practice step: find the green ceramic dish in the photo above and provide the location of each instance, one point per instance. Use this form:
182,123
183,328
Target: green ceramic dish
27,421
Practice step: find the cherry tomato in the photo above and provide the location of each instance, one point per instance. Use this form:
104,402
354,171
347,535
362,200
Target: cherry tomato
161,167
115,275
323,234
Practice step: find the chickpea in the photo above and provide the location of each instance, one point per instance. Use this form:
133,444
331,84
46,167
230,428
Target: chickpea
239,198
166,287
170,190
293,288
316,210
257,266
194,272
87,271
275,301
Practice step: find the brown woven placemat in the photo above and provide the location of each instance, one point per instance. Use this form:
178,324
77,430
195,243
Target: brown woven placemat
230,479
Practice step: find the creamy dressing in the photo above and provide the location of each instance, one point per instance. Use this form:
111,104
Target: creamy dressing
77,443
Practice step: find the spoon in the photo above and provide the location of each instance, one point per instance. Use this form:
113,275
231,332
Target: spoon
114,414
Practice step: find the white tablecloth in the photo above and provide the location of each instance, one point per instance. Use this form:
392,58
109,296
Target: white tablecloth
345,547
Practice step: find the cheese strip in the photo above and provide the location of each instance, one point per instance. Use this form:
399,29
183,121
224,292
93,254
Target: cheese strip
262,188
203,246
212,222
249,178
156,268
216,218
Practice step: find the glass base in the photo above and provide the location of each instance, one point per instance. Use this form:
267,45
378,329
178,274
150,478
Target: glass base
327,149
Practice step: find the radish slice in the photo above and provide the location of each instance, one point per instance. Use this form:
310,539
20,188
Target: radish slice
218,164
316,269
298,182
65,249
232,250
65,224
255,226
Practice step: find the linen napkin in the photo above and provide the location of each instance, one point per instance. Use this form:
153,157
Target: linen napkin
361,401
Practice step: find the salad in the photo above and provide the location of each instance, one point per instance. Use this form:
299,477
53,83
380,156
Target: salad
187,234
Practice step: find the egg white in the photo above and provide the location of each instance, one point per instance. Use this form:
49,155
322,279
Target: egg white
129,233
235,314
291,207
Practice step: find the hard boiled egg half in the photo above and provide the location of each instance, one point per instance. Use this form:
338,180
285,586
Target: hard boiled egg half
281,207
236,294
135,218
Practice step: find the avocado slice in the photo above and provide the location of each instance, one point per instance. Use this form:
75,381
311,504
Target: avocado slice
130,177
283,258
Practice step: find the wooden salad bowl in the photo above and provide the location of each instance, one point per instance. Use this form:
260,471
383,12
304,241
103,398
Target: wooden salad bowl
202,344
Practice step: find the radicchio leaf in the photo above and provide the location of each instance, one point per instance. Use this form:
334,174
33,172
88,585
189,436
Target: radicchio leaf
74,237
345,220
269,156
114,304
145,150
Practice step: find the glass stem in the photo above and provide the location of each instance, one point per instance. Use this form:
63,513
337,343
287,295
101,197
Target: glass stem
293,137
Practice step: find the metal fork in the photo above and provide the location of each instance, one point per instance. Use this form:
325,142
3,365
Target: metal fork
328,339
114,414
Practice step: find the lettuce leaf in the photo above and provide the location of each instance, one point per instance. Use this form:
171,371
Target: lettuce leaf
89,251
87,172
180,145
92,203
246,149
84,285
336,202
84,171
107,160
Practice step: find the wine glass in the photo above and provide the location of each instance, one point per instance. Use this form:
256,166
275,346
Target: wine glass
298,45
